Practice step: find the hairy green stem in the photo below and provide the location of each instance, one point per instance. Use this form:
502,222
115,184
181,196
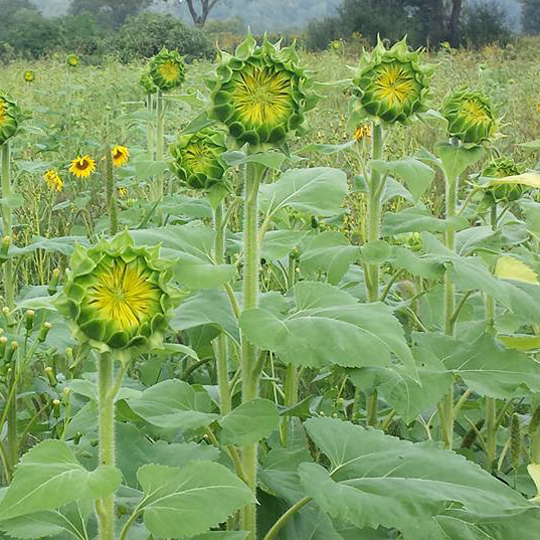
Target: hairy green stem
221,340
106,506
6,222
290,391
158,187
250,373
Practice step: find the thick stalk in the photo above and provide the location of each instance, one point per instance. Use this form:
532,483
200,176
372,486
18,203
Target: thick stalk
290,390
160,135
374,212
250,373
221,341
447,407
106,506
6,222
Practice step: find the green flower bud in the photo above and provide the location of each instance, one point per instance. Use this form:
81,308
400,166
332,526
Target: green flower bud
197,158
147,82
261,93
116,295
29,319
501,168
44,331
470,116
52,288
392,84
10,116
167,70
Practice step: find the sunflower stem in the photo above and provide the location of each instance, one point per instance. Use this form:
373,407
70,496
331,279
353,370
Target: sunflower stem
160,136
111,193
250,373
221,341
446,409
6,222
106,506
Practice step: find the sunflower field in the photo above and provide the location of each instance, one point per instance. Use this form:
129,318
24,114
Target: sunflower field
284,296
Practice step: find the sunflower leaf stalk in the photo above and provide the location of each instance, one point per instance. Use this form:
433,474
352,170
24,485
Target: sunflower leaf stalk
111,192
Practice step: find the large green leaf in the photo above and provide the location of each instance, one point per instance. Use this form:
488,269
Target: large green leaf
455,159
187,501
49,477
320,191
191,247
222,535
329,326
329,252
377,480
418,219
249,422
174,404
416,174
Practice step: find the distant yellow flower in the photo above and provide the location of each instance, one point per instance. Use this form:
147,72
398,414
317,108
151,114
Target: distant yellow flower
29,76
53,180
362,131
122,192
72,60
82,167
120,155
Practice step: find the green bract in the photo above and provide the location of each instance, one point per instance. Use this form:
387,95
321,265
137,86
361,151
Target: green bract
261,93
392,84
116,295
470,116
501,168
167,69
197,158
147,83
9,117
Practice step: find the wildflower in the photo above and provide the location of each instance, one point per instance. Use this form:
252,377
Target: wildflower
29,76
53,180
72,60
120,155
167,69
82,167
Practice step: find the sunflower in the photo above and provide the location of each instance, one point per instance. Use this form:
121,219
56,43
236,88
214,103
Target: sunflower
498,169
261,94
167,69
197,158
82,167
120,155
117,295
470,115
392,84
9,118
362,131
29,76
72,60
53,180
122,192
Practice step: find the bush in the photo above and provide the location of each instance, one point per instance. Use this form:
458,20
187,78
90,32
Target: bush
145,35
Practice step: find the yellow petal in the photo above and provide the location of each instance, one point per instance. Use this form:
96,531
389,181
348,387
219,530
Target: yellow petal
530,179
510,268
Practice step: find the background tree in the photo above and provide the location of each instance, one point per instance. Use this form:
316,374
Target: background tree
530,16
109,12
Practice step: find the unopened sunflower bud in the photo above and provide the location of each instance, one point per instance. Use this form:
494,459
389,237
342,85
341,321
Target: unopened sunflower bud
53,283
29,320
44,330
3,346
51,376
13,346
4,249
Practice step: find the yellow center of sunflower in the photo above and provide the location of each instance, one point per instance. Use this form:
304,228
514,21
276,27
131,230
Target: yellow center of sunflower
394,84
475,112
263,96
124,295
169,71
197,157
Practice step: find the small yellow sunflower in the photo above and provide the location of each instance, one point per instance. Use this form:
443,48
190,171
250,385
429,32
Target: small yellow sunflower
120,155
29,76
362,131
53,180
72,60
82,167
122,192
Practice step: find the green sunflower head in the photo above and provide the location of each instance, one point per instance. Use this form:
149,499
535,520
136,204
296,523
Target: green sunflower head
167,69
29,76
392,84
116,295
197,158
498,191
470,115
10,116
147,83
261,94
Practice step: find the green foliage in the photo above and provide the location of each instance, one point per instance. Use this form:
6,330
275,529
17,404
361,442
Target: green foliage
530,16
110,13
